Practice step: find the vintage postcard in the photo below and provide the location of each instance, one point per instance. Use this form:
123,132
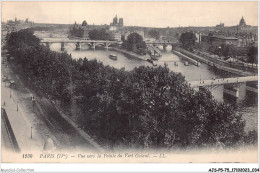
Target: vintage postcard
129,82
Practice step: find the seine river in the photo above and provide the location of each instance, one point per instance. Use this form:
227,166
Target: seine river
246,103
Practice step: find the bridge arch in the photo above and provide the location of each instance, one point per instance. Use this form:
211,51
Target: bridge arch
113,44
89,44
100,44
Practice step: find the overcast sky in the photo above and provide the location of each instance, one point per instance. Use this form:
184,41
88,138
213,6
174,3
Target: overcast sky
152,14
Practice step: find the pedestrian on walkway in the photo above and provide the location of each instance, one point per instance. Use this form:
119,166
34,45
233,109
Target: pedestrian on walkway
33,100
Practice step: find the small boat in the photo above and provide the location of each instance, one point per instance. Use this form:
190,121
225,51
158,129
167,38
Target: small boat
152,62
154,57
113,57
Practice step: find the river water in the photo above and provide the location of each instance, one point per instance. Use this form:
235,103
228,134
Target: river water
246,103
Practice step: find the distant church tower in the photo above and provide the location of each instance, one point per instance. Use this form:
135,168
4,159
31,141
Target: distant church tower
115,21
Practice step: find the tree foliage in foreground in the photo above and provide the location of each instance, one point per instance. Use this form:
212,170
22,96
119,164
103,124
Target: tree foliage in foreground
146,107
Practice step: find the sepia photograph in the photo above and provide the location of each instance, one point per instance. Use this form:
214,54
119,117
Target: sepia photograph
129,82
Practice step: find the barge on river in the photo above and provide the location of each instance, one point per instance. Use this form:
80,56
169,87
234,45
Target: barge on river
113,57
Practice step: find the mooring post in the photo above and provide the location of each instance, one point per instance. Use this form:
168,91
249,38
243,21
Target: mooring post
31,132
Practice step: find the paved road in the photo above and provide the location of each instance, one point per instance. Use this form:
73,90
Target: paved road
45,120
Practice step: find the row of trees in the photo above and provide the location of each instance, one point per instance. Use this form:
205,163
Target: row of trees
233,51
76,31
154,33
188,39
99,34
252,55
46,70
224,50
146,107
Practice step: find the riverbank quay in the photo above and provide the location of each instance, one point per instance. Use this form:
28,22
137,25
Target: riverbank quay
20,115
202,83
239,65
9,141
131,54
215,64
36,124
195,62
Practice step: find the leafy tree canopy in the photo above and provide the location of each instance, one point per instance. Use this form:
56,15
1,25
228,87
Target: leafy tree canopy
252,55
154,33
99,35
134,40
187,40
146,107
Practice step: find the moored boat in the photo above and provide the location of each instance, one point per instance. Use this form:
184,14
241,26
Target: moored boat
154,57
113,57
152,62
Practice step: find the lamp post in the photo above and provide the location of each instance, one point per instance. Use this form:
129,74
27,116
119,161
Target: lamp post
31,132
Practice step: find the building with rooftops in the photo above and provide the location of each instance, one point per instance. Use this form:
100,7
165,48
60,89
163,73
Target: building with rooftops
218,41
80,30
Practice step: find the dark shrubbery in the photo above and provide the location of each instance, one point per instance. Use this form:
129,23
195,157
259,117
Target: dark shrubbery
146,107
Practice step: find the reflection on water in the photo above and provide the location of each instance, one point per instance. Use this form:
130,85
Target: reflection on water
246,103
103,56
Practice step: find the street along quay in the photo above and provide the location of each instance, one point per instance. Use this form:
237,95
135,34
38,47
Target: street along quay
36,126
217,64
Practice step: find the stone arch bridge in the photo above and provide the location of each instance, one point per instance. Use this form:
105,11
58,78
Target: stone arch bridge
164,44
94,43
230,84
79,42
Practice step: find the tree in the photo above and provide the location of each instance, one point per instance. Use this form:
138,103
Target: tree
154,33
224,50
187,40
94,34
99,35
252,55
134,40
76,31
